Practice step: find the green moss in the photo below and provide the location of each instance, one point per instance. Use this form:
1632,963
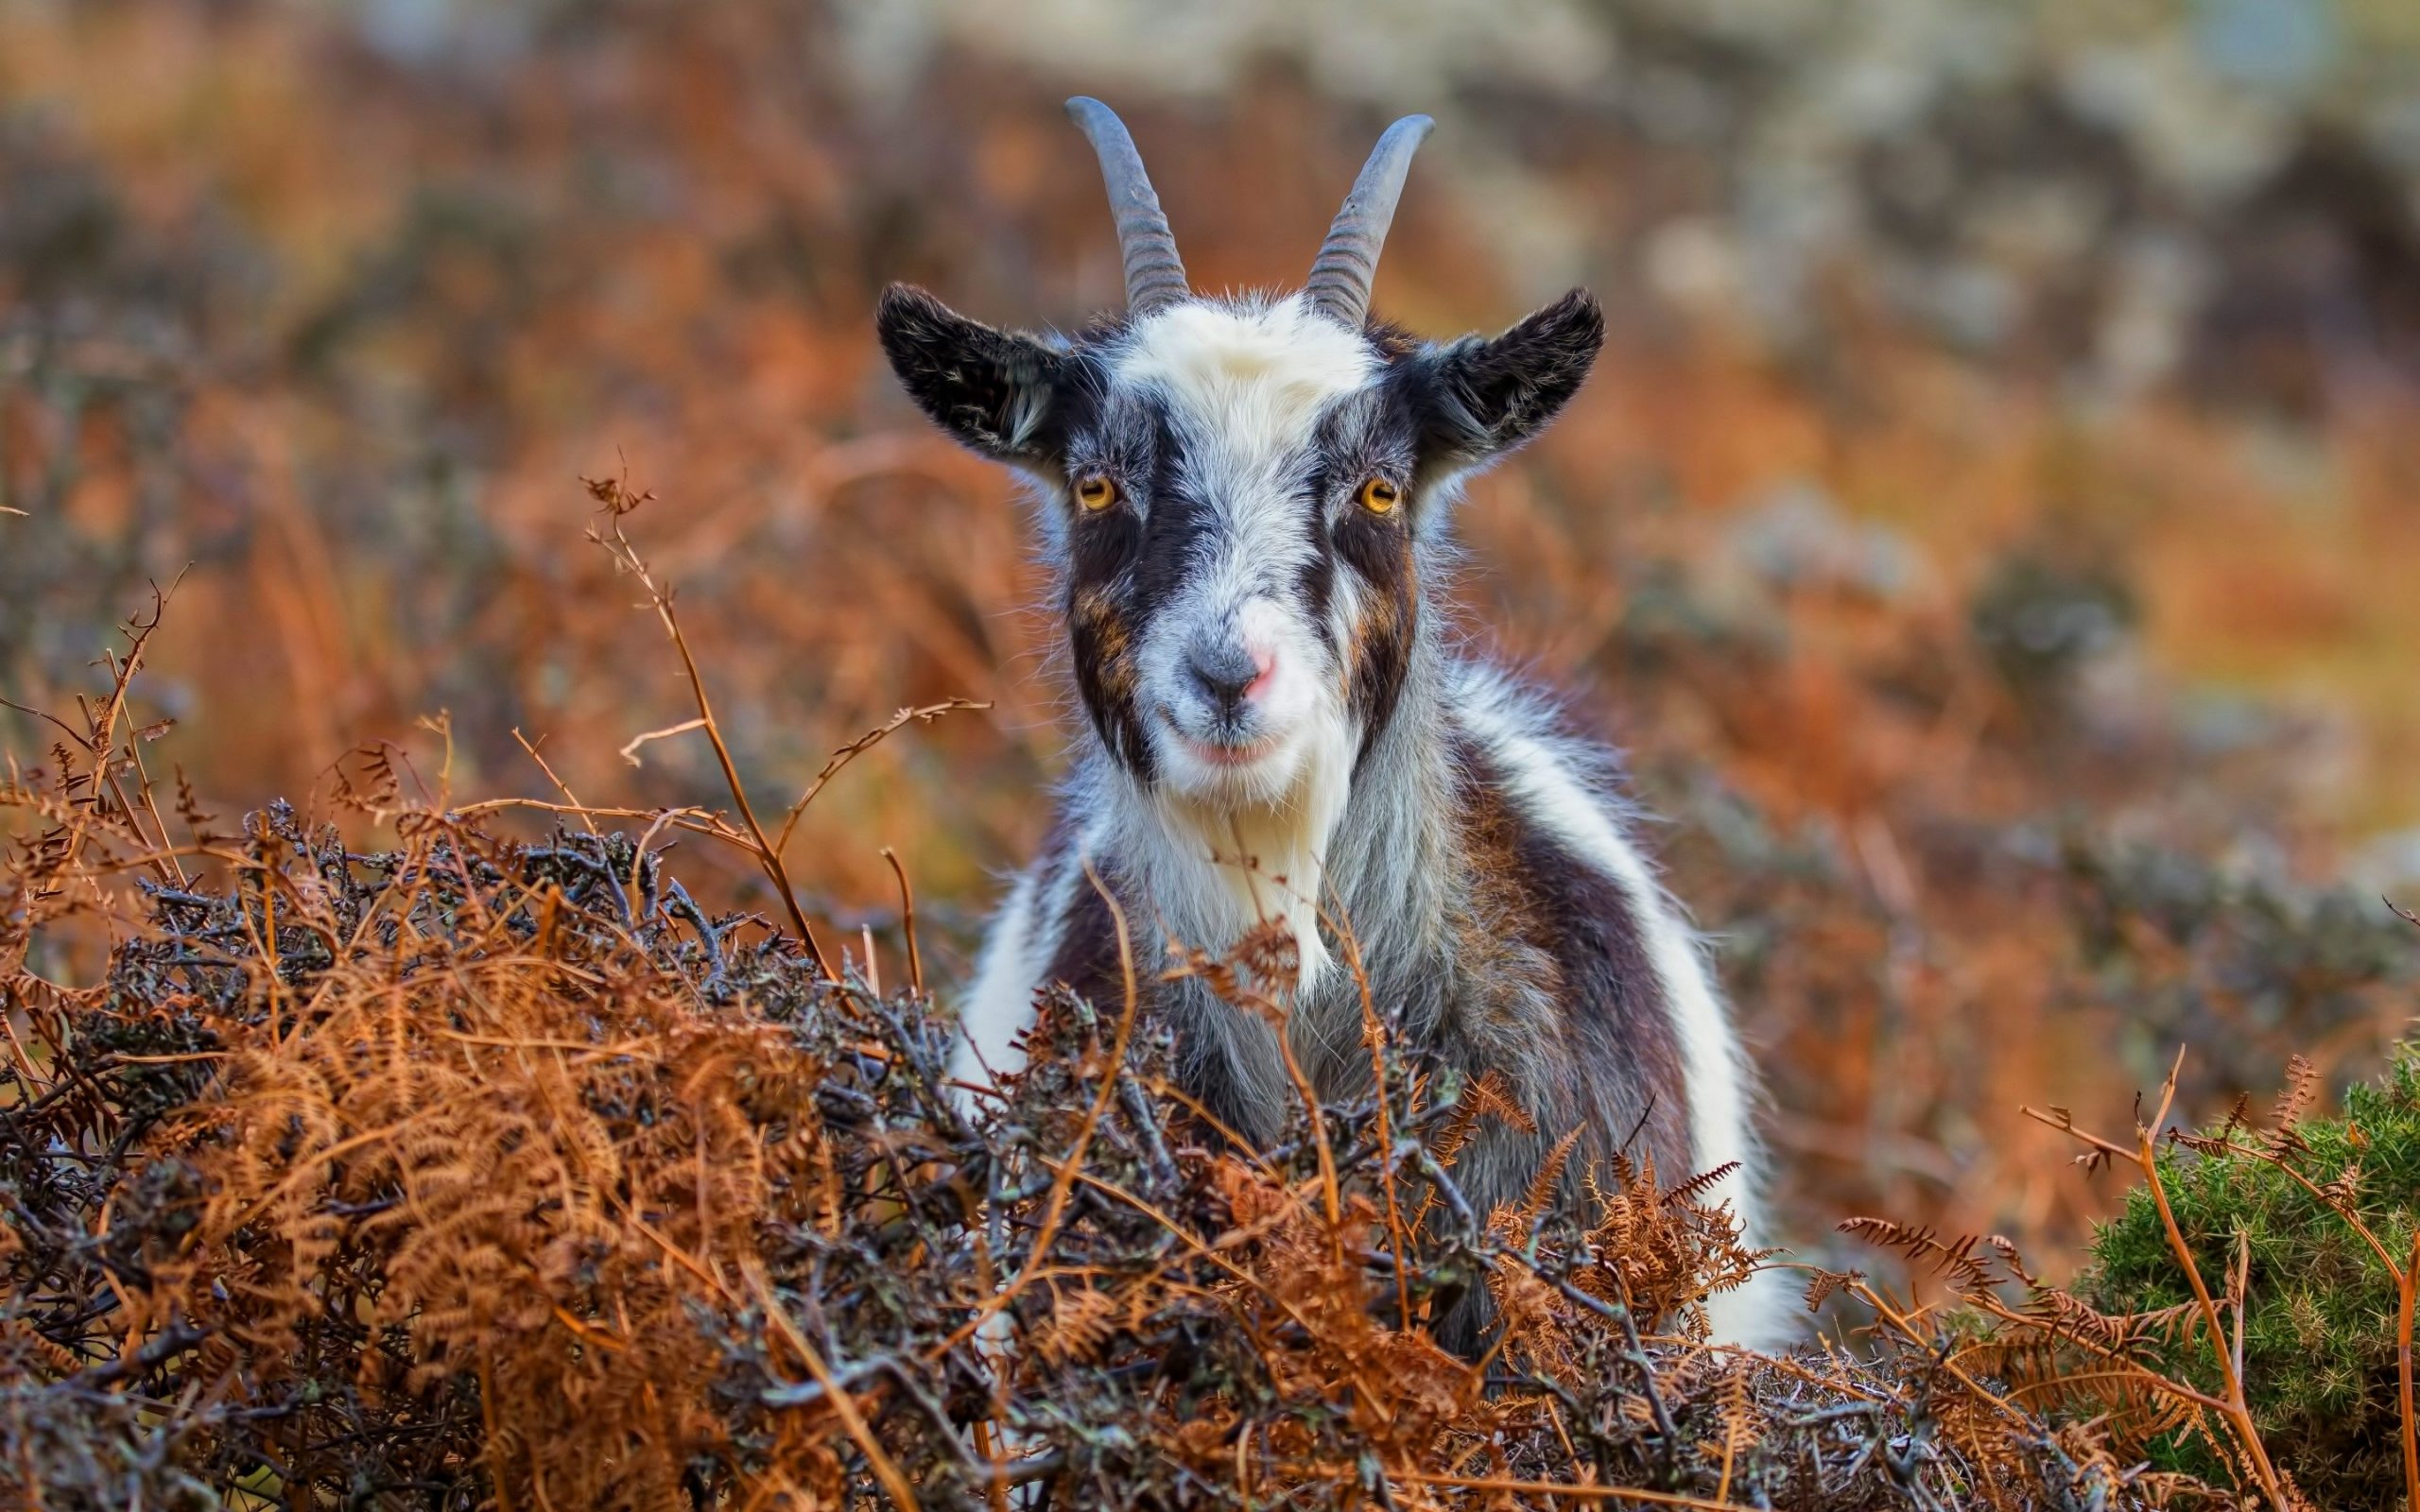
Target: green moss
2320,1341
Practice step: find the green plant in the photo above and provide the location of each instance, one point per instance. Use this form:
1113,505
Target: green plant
2316,1217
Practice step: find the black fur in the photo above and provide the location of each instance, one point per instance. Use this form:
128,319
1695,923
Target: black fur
1627,1047
1087,958
1125,561
1379,551
1477,397
974,380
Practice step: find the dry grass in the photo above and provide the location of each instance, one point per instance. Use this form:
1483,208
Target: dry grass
473,1173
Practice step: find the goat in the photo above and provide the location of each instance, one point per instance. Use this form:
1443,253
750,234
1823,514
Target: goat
1246,501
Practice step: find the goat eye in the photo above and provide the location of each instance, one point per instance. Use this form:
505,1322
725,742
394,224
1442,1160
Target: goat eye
1094,492
1377,495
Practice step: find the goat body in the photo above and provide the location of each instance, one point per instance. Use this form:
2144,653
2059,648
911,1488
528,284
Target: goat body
1246,502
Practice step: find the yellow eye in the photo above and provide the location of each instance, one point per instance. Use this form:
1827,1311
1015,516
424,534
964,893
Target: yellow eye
1377,495
1094,492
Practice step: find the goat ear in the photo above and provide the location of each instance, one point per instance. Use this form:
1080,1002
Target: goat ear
998,392
1482,397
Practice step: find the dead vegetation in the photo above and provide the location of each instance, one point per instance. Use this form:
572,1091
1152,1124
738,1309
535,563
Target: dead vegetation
480,1171
477,1172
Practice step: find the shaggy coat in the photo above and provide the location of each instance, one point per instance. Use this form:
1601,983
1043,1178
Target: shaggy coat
1246,503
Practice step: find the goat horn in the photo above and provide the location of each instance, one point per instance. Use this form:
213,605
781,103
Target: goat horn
1348,260
1154,274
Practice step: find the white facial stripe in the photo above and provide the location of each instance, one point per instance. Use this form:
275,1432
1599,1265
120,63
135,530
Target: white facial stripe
1246,386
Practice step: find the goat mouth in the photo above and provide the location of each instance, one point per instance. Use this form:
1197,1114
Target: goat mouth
1218,754
1225,754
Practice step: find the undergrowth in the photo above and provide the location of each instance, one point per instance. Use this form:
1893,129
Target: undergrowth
473,1172
2248,1317
2321,1210
486,1173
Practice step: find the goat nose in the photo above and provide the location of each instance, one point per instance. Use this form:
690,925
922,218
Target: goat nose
1225,674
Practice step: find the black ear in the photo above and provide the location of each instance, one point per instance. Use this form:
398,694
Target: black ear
998,391
1479,398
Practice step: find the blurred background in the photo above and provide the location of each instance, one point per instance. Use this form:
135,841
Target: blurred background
1992,530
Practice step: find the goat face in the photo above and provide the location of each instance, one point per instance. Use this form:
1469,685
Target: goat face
1239,495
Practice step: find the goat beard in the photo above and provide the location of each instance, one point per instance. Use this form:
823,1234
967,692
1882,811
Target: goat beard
1232,863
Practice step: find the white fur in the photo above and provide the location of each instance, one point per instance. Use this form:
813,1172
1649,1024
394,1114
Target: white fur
1016,952
1256,371
1226,845
1217,869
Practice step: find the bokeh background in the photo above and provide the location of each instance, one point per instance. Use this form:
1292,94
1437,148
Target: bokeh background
1993,529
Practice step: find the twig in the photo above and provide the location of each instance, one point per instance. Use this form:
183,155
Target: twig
170,1342
631,749
1374,1034
697,821
1730,1450
150,800
560,786
859,747
2404,1287
1623,1314
907,920
2057,1118
2238,1413
1469,1483
1907,1326
618,502
885,1469
2241,1288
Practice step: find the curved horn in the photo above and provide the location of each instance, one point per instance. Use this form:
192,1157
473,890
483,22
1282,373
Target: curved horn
1339,281
1154,274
